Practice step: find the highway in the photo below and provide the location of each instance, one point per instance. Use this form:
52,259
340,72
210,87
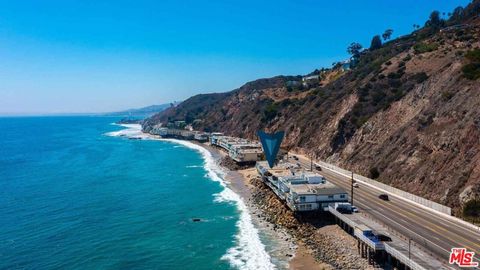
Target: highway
427,228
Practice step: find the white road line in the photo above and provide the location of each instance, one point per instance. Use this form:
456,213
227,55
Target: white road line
427,210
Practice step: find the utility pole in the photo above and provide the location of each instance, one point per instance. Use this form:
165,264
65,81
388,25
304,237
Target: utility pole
311,163
409,244
351,191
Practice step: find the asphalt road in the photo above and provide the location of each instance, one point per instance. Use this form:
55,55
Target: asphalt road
434,232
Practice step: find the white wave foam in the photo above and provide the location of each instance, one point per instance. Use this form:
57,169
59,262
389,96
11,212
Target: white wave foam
249,252
131,131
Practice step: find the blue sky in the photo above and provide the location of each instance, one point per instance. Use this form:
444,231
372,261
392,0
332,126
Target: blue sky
97,56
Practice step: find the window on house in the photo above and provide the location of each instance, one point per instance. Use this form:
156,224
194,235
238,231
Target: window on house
330,196
342,196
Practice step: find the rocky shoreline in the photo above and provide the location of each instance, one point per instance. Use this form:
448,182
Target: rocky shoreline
331,247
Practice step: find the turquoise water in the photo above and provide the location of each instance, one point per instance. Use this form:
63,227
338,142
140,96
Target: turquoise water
72,197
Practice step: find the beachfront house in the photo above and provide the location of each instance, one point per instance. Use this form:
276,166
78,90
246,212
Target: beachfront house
201,136
301,190
240,150
307,197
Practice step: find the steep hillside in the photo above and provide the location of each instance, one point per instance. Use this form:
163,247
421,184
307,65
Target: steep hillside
407,113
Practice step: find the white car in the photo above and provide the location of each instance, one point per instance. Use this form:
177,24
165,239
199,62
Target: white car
354,209
356,185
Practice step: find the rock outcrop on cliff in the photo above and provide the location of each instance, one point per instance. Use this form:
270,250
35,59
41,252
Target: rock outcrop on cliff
408,111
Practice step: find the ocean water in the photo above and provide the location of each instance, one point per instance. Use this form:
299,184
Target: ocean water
78,193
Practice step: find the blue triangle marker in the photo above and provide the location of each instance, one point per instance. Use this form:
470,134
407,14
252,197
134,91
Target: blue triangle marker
271,144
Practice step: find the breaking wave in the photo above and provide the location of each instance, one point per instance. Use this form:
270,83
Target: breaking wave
249,253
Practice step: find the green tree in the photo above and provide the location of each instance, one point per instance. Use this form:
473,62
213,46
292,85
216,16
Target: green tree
376,43
354,49
435,21
387,34
457,14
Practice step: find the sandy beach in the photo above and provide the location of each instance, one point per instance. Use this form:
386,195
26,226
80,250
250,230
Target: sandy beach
282,246
285,249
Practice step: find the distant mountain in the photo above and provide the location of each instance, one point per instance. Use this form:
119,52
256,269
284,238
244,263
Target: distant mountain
145,111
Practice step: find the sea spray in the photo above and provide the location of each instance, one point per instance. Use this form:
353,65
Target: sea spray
249,252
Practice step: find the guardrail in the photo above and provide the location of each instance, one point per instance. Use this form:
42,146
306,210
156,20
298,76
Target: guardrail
341,217
430,204
401,257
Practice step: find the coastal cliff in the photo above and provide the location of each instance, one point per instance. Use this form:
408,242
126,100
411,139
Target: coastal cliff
407,113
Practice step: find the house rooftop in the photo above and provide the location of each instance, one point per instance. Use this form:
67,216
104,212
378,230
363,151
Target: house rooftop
317,189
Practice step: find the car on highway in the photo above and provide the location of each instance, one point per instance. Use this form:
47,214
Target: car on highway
295,157
354,209
317,167
356,185
383,197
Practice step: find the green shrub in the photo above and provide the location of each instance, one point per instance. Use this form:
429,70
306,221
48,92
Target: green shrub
360,121
378,96
407,58
374,173
422,47
471,71
420,77
473,55
447,95
270,111
465,38
471,209
395,75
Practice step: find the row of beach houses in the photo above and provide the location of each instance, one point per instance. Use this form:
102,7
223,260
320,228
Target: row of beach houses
300,189
240,150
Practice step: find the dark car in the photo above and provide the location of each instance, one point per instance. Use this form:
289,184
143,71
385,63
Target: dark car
344,210
383,197
318,167
384,238
295,157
